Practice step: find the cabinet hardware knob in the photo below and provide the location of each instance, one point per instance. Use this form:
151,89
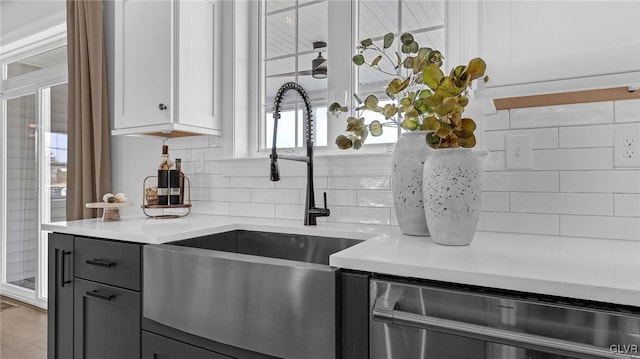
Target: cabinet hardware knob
162,106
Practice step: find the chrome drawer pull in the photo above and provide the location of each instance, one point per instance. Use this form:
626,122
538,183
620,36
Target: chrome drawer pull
101,262
383,311
96,294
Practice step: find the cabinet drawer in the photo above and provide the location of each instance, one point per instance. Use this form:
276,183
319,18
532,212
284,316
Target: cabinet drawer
108,262
156,346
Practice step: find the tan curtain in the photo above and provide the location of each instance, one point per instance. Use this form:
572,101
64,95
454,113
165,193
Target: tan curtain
89,161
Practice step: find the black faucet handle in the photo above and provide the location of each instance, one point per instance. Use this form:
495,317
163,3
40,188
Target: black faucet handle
325,200
325,212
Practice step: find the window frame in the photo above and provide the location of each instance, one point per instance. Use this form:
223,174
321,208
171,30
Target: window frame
461,41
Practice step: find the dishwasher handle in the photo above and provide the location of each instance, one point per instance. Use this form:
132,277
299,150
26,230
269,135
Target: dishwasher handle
384,311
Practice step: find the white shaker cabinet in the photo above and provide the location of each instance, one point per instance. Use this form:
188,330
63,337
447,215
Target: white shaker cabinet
166,67
532,46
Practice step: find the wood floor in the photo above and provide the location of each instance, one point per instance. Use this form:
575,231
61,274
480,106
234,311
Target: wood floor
23,331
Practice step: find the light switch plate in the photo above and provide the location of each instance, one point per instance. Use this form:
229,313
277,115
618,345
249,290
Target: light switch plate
198,161
518,152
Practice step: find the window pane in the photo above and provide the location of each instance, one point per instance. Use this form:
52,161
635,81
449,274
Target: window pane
312,27
273,5
421,14
56,148
22,195
37,62
286,129
281,34
377,18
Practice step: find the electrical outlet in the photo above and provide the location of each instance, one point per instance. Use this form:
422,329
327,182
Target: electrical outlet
198,161
626,148
518,152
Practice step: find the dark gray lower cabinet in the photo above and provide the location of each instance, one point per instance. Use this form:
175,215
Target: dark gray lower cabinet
106,321
60,291
158,347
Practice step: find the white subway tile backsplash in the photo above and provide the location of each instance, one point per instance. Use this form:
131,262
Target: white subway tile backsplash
187,143
266,195
363,182
546,181
211,208
562,203
600,181
335,197
231,194
199,193
375,198
540,138
573,159
600,227
290,211
495,161
627,205
495,202
565,115
219,181
497,121
251,182
300,182
260,210
519,223
627,111
587,136
360,215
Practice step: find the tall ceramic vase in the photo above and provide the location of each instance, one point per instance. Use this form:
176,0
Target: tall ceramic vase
407,162
452,191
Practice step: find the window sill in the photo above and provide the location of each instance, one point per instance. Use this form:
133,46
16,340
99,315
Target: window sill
374,161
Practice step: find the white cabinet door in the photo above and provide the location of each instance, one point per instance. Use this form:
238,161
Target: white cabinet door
144,63
197,44
529,42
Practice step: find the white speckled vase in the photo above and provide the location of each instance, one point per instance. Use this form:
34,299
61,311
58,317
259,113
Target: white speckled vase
407,163
452,191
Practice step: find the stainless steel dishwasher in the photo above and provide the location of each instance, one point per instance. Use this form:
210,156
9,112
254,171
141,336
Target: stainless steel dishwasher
415,321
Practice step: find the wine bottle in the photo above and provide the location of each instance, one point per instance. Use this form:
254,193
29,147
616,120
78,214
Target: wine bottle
163,177
180,180
175,181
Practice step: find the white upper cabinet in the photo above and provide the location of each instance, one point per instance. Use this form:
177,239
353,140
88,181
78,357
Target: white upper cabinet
166,70
559,45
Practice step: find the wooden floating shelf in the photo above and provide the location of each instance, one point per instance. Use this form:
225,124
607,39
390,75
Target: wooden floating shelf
566,98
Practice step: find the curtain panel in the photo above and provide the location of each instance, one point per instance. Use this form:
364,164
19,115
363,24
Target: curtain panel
89,161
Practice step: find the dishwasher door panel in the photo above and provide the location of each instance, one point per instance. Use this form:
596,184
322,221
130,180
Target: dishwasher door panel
409,321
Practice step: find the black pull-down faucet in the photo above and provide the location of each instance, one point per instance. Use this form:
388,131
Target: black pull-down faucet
311,212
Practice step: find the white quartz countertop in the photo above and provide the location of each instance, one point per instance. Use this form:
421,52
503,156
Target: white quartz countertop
584,268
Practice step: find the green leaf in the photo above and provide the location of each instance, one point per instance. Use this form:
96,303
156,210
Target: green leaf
376,60
432,140
409,124
468,142
375,128
357,143
432,75
371,103
389,110
358,59
388,40
335,107
366,43
430,123
467,124
343,142
396,85
408,62
406,38
413,48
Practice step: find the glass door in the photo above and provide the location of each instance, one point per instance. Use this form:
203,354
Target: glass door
35,186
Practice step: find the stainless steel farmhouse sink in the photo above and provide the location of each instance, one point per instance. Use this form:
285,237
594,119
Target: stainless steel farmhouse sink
271,293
